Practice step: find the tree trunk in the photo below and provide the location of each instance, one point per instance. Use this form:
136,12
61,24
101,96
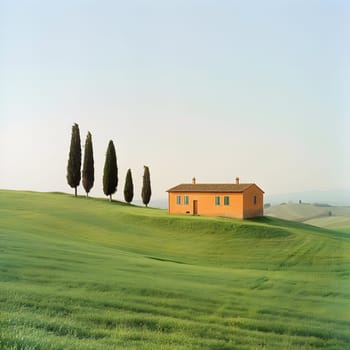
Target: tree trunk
110,198
75,190
87,195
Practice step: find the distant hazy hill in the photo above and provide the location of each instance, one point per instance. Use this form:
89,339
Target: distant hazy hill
155,203
334,197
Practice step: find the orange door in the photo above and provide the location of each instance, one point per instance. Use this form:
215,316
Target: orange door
195,207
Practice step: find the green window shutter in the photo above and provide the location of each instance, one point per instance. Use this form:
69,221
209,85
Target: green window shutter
217,200
186,200
178,200
226,200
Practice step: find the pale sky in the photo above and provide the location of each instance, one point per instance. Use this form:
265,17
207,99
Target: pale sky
211,89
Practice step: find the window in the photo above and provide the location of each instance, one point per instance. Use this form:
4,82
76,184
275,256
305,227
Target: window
186,201
254,200
217,200
226,200
178,200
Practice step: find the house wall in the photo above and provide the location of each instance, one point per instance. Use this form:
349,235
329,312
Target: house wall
206,204
250,208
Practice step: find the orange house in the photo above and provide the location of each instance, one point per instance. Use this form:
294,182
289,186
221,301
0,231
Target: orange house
235,200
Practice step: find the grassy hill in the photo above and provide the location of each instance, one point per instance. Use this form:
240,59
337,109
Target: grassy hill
79,273
313,215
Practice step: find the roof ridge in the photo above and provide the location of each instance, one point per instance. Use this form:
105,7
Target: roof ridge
212,187
219,183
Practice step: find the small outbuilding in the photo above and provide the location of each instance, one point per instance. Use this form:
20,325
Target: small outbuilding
235,200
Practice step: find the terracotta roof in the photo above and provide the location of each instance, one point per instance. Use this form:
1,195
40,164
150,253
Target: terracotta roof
229,188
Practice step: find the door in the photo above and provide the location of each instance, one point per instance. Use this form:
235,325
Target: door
195,207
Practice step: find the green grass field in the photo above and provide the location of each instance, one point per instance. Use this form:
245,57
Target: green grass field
79,273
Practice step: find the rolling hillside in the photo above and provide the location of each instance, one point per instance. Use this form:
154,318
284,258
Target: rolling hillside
332,217
79,273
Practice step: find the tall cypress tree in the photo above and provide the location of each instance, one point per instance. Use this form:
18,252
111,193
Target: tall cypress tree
146,188
74,160
88,167
128,187
110,172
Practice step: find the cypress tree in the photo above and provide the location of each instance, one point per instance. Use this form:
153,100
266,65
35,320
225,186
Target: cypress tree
110,172
146,188
88,167
128,188
74,160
